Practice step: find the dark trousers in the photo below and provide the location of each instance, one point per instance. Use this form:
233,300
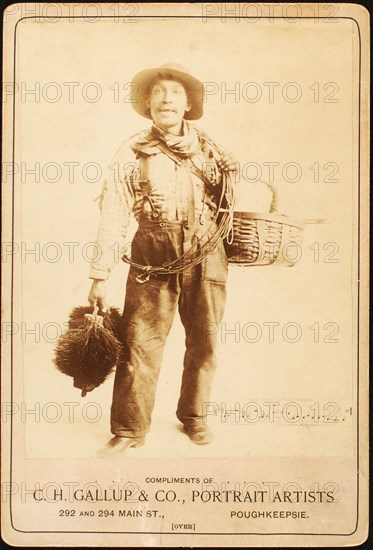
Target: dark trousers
199,295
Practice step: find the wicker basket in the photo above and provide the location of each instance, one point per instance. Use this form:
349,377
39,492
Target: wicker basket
264,239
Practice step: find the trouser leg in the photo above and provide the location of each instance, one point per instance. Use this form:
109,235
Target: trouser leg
148,314
201,307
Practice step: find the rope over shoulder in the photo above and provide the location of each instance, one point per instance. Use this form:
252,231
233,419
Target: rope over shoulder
206,244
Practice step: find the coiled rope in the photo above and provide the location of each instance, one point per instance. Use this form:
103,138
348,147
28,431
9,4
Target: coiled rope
205,244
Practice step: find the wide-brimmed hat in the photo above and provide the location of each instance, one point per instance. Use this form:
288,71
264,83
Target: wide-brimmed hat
194,88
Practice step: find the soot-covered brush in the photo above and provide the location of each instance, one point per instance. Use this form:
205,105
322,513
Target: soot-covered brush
89,349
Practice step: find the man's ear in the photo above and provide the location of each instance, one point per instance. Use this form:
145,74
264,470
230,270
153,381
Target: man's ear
188,108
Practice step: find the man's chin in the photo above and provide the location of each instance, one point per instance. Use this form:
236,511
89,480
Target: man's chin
167,122
170,119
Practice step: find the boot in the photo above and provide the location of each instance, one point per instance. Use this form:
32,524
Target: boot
200,435
118,445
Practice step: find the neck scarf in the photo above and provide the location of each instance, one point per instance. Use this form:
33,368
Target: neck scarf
185,145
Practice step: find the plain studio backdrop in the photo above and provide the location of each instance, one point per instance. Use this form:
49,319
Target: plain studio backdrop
278,92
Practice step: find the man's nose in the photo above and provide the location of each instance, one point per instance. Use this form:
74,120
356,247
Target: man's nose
167,96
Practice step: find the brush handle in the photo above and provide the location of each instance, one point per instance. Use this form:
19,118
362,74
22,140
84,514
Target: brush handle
95,317
98,311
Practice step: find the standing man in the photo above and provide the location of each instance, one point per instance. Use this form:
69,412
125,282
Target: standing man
170,177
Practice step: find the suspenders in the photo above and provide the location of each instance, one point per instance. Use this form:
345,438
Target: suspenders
146,188
194,249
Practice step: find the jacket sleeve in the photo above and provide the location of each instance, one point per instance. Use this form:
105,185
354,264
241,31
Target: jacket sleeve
116,204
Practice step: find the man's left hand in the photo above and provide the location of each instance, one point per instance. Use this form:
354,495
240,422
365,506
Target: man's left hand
228,162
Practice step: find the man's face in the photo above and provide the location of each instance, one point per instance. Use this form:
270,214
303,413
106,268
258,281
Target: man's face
168,102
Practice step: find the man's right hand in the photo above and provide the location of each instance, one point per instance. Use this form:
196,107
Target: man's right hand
97,294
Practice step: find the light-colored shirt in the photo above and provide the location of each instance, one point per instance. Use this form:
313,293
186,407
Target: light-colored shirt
170,187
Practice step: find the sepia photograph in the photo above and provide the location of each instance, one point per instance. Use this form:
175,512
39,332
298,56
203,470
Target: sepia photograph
185,274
